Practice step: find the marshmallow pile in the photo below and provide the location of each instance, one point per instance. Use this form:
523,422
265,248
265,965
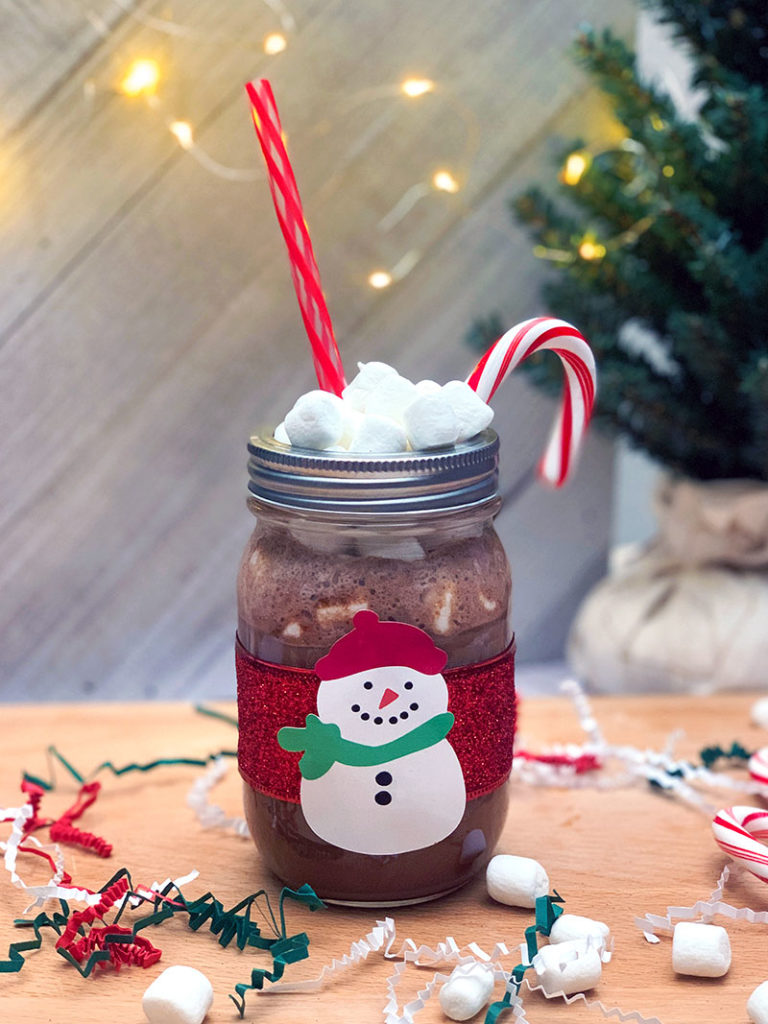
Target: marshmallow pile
381,412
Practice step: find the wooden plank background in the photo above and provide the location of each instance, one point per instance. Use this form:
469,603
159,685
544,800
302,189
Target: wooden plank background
148,326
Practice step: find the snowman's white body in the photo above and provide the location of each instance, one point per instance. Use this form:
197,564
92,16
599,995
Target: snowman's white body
348,806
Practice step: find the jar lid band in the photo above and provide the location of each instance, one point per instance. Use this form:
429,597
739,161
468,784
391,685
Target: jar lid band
345,482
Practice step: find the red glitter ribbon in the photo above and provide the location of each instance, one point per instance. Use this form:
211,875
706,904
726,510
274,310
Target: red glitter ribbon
481,698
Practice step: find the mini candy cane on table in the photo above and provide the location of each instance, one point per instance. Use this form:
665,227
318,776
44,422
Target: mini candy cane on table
536,335
741,833
290,215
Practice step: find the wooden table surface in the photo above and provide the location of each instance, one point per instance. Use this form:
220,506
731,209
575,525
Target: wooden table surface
611,853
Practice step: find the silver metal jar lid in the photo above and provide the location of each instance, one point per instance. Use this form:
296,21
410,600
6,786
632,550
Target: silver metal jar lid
353,483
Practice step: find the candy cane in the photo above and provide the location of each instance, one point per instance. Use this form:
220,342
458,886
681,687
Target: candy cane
575,410
290,215
741,832
758,766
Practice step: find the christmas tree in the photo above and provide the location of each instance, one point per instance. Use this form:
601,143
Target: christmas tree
659,247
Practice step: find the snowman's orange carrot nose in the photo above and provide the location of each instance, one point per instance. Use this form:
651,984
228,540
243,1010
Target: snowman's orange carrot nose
387,697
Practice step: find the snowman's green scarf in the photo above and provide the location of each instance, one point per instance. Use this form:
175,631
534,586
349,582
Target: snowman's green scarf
324,745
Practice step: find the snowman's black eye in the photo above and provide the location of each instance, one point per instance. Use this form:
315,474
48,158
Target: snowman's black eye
409,685
368,685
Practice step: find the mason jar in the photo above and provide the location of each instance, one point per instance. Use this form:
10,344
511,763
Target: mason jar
375,669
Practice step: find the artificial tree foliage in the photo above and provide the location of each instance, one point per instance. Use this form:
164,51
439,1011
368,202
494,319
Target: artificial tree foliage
665,238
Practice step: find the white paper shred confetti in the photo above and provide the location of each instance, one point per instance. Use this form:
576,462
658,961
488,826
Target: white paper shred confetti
702,910
52,890
628,764
595,1004
210,815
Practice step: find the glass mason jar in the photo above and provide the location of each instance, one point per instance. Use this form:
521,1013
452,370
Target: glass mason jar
375,669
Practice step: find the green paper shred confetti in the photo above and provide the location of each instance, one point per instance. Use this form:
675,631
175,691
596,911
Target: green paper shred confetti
202,709
227,925
711,755
15,960
161,762
546,913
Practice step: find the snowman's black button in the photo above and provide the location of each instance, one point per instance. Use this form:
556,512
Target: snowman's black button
383,798
383,779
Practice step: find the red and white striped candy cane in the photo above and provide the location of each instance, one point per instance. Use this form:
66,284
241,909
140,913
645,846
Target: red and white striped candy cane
290,215
741,833
758,766
575,409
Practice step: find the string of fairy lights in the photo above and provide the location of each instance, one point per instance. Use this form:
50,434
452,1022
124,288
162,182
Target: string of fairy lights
143,77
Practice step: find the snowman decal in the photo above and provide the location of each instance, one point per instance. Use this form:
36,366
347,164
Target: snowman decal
378,774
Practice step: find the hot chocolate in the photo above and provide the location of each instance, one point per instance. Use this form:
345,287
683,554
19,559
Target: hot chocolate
303,582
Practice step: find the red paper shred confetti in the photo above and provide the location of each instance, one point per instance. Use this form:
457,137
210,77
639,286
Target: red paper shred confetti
580,763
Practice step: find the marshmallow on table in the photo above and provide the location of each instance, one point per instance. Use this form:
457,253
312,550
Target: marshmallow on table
759,712
430,422
180,995
757,1004
368,379
516,881
572,926
471,411
316,420
702,950
378,434
467,990
568,967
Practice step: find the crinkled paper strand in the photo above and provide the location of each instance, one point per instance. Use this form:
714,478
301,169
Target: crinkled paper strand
55,755
659,768
596,1004
208,814
381,939
652,925
52,890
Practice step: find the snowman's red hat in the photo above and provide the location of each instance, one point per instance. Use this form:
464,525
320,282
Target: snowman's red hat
375,644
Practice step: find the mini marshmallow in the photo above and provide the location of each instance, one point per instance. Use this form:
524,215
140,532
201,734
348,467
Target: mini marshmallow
378,434
369,378
281,434
757,1004
516,881
180,995
702,950
571,926
759,713
427,387
471,411
430,422
316,420
391,398
568,967
467,990
352,420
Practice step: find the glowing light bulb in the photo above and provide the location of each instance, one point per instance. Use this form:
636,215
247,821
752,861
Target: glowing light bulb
142,77
182,130
414,87
667,170
444,181
589,250
274,44
380,279
574,168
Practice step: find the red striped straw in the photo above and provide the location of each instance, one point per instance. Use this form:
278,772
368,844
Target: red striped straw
578,398
290,215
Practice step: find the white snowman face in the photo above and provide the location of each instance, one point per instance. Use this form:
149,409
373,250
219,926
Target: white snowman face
381,704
